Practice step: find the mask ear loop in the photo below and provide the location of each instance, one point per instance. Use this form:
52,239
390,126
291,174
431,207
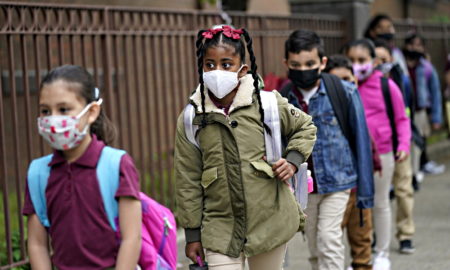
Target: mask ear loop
98,102
239,70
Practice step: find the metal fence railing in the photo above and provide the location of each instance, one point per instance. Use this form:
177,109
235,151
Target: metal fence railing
143,60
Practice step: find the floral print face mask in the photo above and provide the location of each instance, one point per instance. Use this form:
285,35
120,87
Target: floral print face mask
61,131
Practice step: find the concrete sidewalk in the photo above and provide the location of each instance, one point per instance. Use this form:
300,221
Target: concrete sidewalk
432,217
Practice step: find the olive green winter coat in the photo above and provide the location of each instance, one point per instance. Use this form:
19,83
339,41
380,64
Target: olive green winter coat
226,193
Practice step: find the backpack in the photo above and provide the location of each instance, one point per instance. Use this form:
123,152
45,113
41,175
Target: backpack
416,136
339,102
159,240
273,141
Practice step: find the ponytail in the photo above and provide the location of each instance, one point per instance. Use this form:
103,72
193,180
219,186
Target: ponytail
200,51
253,68
104,128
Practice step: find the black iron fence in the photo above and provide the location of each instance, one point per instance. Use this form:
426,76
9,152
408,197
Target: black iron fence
143,60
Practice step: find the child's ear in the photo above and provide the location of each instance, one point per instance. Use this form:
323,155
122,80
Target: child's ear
323,64
377,61
285,62
243,71
94,112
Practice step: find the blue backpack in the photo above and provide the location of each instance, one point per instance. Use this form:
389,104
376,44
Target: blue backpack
158,250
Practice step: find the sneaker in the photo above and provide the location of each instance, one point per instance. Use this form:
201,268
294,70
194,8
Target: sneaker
432,167
381,262
349,268
420,176
415,184
406,247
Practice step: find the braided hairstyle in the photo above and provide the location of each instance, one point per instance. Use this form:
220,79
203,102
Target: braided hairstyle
203,44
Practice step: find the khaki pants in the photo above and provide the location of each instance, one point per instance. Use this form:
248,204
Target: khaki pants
423,125
422,122
323,229
272,260
447,109
359,238
382,218
404,196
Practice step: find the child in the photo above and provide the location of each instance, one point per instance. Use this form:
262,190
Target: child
381,26
359,237
231,202
428,98
74,124
362,54
341,66
403,172
342,156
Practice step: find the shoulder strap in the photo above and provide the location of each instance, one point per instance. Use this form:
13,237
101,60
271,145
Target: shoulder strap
108,169
189,128
390,110
284,91
339,102
272,120
37,179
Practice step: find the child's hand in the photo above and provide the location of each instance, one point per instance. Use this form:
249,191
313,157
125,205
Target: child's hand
194,250
283,169
401,156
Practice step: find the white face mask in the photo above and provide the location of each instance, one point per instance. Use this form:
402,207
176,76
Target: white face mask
61,131
221,82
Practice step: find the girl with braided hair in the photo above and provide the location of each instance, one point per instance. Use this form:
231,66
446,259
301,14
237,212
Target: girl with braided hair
231,202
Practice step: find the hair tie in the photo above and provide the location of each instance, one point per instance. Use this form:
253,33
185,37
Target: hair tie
96,93
227,31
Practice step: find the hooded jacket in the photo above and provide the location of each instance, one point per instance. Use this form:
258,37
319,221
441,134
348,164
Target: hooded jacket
227,195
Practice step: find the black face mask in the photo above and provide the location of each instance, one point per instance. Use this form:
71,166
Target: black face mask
304,79
413,55
386,36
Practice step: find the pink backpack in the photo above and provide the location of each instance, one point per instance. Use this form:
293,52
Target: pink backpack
159,236
159,232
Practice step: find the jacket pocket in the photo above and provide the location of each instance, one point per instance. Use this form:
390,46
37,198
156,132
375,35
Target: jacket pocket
262,169
208,177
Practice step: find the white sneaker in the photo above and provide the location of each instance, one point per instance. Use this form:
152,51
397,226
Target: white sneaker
432,167
420,176
350,268
381,262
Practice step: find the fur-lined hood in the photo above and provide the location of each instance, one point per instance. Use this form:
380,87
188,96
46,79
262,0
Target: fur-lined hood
244,97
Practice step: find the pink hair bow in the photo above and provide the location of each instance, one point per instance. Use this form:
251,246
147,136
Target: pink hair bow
227,31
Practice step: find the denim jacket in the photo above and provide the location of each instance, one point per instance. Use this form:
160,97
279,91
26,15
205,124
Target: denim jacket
336,168
428,90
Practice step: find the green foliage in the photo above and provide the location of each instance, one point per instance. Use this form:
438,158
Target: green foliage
440,18
212,2
17,255
15,237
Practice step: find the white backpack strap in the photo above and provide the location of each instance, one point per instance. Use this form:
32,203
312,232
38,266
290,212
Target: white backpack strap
300,185
189,128
272,120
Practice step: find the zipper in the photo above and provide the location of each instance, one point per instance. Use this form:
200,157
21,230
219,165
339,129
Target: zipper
167,226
